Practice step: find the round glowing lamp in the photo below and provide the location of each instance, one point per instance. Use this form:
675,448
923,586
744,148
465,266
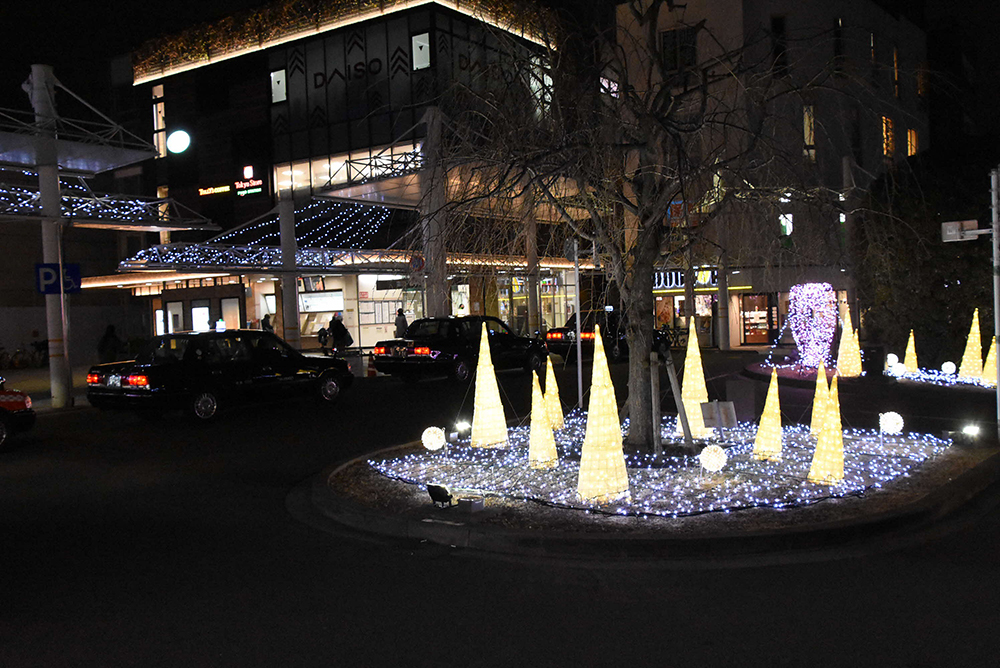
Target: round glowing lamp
898,369
949,368
890,423
891,360
433,438
178,141
713,458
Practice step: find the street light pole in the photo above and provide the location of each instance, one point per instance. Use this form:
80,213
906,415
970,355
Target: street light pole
995,206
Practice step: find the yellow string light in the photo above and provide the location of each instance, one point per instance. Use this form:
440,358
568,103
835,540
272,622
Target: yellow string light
828,460
910,359
489,426
972,358
694,392
849,353
541,445
990,367
603,475
820,397
767,444
552,401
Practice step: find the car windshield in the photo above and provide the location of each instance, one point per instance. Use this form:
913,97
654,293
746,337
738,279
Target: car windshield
164,350
607,320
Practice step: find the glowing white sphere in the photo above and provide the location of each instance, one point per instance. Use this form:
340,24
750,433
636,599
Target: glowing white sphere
433,438
949,368
891,360
898,369
971,430
178,141
713,458
890,423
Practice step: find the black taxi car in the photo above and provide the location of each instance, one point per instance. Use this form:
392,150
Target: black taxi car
16,413
200,372
562,340
450,347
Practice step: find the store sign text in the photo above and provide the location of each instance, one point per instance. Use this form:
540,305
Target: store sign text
214,190
665,280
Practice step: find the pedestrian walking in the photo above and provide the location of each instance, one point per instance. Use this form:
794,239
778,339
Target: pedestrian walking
342,338
400,324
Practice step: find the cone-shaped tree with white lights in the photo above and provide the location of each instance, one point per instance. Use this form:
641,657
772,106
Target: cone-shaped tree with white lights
990,366
767,444
552,401
489,426
910,359
972,359
828,460
603,476
820,398
849,353
541,446
694,392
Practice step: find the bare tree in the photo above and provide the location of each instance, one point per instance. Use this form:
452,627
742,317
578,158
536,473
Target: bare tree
659,141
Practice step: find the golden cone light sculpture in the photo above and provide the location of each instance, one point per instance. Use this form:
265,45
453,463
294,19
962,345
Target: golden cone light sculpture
603,476
849,353
910,359
693,389
552,401
489,426
972,359
820,399
828,460
990,367
541,446
767,444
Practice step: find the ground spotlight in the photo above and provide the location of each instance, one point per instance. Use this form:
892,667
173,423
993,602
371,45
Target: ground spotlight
440,495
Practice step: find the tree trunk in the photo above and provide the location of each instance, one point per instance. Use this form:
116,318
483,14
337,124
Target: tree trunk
639,311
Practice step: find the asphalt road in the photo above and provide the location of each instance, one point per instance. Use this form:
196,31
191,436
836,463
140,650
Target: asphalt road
133,543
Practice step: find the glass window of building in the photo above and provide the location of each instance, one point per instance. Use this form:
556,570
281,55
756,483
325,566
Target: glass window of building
912,144
159,122
679,48
809,132
888,138
279,92
420,50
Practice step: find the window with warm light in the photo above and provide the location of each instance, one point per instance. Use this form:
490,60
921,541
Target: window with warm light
895,71
912,143
159,122
809,132
888,138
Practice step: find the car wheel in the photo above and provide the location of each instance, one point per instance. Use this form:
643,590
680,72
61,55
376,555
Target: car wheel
205,405
329,388
535,362
461,371
4,431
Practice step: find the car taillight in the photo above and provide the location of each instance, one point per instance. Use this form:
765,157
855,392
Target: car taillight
586,336
554,335
378,350
138,380
422,350
27,401
93,378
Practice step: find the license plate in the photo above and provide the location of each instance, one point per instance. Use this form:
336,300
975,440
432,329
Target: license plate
399,352
114,381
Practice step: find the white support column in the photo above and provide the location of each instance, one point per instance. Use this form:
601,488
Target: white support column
41,90
995,206
289,276
432,203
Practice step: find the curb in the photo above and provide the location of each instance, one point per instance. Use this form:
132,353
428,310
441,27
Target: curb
910,524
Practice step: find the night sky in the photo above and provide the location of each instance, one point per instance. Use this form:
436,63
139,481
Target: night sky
80,38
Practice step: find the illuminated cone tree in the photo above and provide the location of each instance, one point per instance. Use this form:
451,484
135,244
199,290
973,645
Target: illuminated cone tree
828,460
552,401
767,444
541,446
820,400
910,359
489,427
990,367
603,476
849,353
972,359
693,389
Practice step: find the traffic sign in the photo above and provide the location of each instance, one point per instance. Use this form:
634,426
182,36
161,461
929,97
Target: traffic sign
961,230
47,278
